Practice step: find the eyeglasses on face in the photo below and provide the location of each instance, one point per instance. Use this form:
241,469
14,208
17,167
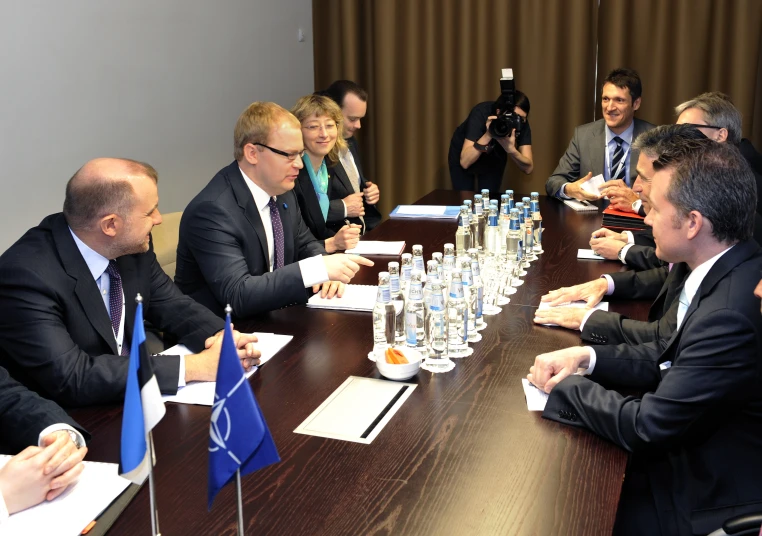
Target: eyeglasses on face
290,156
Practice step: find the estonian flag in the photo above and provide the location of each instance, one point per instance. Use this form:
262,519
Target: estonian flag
143,408
239,437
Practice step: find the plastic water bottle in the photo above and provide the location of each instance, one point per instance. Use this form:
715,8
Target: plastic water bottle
436,327
415,336
477,229
431,273
457,318
463,234
492,234
509,193
438,257
383,318
485,198
477,287
398,301
505,218
470,296
536,222
513,236
407,270
448,263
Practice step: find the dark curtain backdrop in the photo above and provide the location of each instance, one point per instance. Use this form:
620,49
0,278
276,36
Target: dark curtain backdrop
426,63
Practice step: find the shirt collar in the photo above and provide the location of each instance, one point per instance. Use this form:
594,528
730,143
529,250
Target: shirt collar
626,135
96,262
261,199
693,282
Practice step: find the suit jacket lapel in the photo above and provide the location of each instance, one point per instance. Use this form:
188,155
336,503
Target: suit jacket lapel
340,174
740,253
596,149
85,288
354,149
310,197
248,206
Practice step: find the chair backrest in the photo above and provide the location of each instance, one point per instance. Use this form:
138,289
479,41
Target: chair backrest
165,238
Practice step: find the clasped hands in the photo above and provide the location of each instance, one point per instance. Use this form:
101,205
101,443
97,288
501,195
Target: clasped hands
571,317
38,474
549,369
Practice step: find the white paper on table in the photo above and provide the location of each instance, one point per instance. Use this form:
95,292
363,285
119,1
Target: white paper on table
98,485
588,254
377,247
355,298
592,186
601,306
536,399
202,393
356,409
432,210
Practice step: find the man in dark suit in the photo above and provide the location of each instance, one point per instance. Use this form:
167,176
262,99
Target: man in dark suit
353,196
40,472
651,279
67,299
603,146
243,240
694,435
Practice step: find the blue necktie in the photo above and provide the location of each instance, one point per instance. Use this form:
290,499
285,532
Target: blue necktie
115,302
278,238
616,171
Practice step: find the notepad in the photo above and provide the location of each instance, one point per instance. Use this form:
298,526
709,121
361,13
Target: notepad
588,254
377,247
98,485
355,298
358,410
202,393
536,399
580,206
437,212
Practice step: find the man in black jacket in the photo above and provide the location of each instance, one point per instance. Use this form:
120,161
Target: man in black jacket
67,298
694,435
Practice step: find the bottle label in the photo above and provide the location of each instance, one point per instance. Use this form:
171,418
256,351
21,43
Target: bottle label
418,263
492,220
535,206
406,271
437,302
449,261
464,220
475,269
513,224
383,295
410,328
478,208
456,290
467,278
394,282
416,292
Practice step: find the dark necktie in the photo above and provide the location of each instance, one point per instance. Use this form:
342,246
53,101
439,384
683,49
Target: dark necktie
115,301
616,159
278,239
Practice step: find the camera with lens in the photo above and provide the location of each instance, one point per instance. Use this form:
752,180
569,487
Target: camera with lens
507,120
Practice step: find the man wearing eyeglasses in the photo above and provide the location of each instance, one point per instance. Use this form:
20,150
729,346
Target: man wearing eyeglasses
242,239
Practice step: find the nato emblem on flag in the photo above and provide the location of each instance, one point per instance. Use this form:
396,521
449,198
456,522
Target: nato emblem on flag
238,434
143,407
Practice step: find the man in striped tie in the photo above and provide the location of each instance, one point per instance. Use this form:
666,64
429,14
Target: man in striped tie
603,147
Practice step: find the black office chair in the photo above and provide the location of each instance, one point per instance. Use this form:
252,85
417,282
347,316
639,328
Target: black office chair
743,525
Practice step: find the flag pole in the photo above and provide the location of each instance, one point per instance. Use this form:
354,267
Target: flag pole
151,461
240,502
154,512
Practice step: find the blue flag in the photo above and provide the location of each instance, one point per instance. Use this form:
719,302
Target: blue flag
143,408
238,434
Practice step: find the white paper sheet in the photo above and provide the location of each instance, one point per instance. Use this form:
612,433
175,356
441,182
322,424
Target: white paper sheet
579,206
592,186
431,210
202,393
536,399
352,409
98,485
377,247
588,254
355,298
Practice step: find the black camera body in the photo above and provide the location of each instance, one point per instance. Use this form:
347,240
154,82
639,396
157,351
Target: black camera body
507,120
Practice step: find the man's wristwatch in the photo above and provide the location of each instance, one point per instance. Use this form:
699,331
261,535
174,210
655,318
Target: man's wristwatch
620,254
483,148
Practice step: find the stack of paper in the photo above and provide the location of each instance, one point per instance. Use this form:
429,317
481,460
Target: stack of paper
98,485
436,212
378,247
202,393
580,206
593,184
589,254
355,298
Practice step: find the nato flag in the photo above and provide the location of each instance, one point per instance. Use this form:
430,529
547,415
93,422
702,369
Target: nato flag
239,437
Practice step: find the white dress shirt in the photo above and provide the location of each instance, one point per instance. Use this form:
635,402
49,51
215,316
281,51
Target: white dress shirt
313,269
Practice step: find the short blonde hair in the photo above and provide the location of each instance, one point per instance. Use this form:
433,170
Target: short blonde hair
319,106
256,123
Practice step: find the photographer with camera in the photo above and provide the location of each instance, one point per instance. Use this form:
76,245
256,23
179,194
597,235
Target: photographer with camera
492,132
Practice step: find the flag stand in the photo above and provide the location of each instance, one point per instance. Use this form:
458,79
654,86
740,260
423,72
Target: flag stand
154,513
240,502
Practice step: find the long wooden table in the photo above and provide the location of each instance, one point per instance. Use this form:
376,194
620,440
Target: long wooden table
462,456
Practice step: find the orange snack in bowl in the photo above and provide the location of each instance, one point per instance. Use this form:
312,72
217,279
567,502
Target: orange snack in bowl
395,357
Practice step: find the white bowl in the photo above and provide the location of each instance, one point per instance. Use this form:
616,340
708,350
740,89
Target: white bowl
401,372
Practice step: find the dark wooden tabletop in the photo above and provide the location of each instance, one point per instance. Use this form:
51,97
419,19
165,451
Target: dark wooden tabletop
462,456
